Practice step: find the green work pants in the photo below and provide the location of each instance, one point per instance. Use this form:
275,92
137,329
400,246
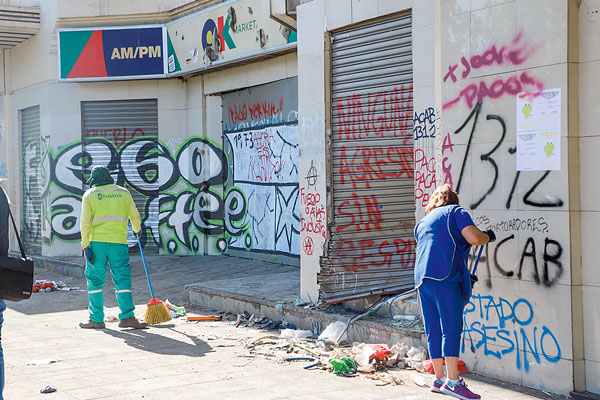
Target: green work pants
117,256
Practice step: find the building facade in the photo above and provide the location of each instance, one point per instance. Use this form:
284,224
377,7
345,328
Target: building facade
317,143
200,126
458,105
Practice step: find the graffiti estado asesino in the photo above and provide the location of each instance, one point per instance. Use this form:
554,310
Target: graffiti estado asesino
502,327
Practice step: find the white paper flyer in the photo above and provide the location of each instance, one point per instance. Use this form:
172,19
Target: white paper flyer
538,130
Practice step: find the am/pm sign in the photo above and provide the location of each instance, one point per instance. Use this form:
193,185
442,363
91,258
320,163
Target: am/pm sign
112,53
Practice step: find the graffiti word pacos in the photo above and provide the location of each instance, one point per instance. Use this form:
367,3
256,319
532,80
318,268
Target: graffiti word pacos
476,92
424,177
508,325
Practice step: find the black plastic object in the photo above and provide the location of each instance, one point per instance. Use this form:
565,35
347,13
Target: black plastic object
16,274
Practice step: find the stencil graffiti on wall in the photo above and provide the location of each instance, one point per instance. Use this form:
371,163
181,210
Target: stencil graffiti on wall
265,167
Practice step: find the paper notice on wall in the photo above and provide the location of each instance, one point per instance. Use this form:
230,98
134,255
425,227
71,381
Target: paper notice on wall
538,130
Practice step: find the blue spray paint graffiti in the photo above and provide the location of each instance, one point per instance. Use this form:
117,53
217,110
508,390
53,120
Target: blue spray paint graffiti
502,323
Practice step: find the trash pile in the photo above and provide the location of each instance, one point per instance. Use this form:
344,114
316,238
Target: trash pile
332,352
175,311
249,320
44,285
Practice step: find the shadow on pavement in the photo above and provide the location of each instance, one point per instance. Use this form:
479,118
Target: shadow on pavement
144,339
53,302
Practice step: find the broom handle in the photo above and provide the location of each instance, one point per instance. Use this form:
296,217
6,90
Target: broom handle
145,267
474,272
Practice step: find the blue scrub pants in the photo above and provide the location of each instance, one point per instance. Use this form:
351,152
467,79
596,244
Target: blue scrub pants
442,307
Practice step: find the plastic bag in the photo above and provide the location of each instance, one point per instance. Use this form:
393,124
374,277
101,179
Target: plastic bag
343,366
295,334
416,356
370,357
399,348
428,366
333,332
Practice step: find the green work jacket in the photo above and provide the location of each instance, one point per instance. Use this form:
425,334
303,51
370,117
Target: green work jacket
104,213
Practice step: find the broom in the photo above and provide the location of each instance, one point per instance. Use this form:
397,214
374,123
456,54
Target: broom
156,310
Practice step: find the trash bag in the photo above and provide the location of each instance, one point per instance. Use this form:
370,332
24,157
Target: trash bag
428,366
333,331
415,357
371,357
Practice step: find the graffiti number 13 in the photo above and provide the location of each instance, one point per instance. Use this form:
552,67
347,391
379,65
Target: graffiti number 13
474,115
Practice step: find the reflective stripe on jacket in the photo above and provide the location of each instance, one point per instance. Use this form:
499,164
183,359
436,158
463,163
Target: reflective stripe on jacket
104,214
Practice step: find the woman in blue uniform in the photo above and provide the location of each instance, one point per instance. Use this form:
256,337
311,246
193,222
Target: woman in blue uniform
444,237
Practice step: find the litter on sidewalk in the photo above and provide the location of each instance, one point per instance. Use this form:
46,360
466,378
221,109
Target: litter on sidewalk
385,379
192,318
45,361
44,285
176,311
295,333
48,389
428,366
263,322
330,350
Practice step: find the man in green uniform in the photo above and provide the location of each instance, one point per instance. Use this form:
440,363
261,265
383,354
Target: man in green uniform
106,207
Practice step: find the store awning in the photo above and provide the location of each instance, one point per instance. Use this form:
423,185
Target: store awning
18,24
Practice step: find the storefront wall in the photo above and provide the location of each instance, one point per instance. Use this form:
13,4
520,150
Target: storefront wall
189,124
518,326
471,60
181,218
260,128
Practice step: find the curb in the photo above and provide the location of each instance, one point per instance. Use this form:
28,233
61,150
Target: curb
57,265
366,331
584,396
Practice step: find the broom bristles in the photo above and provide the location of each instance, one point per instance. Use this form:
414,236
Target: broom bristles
156,312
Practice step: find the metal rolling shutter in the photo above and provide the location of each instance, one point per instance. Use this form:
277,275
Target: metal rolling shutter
371,248
121,122
31,222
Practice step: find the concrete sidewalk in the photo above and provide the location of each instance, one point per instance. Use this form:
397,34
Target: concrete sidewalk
242,285
175,360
